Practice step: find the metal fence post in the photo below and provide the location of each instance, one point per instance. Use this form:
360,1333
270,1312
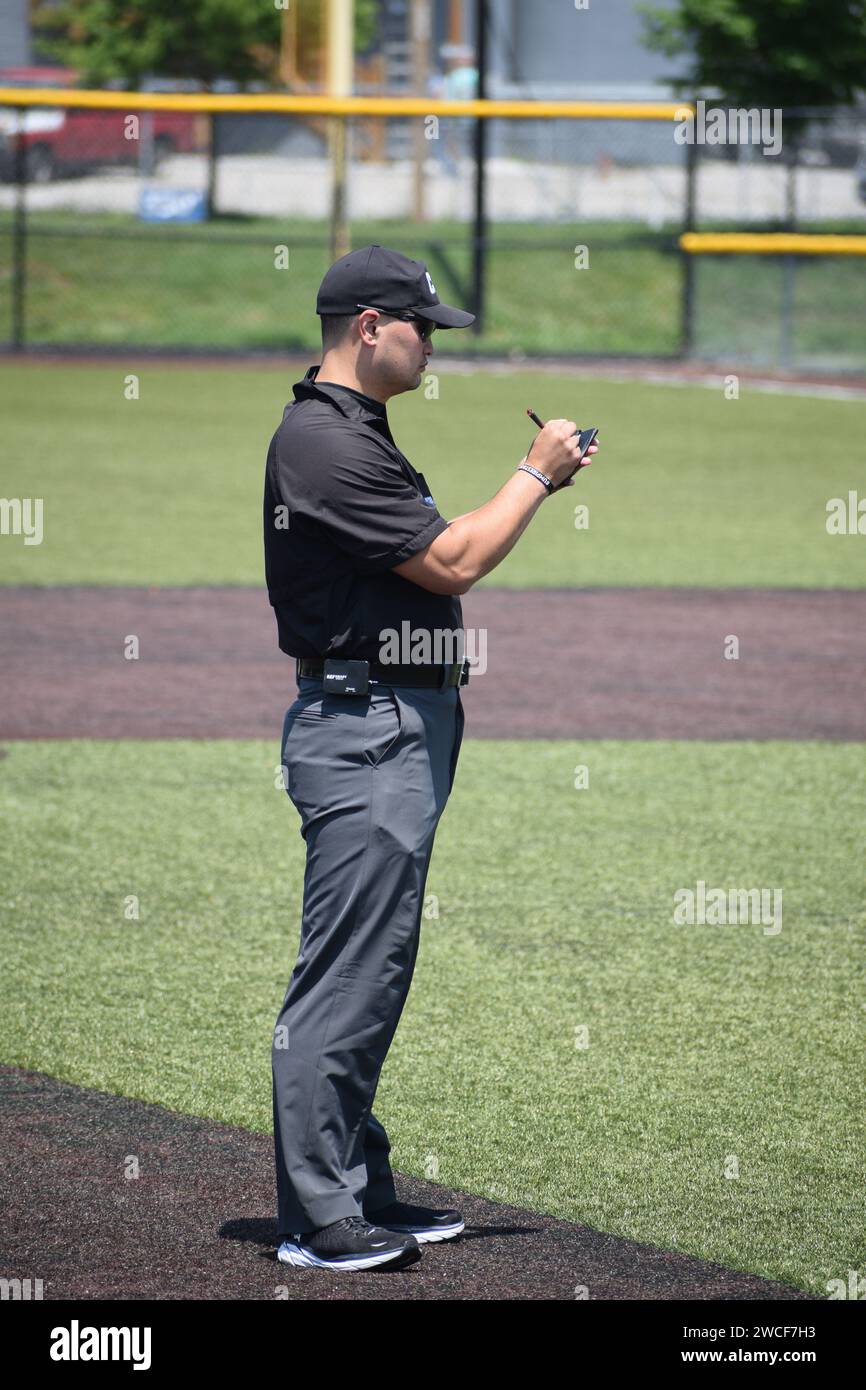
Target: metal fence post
479,249
687,284
786,312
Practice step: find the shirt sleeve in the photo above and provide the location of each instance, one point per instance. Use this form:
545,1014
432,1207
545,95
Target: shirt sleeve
357,493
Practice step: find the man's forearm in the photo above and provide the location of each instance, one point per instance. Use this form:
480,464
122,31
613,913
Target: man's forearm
484,537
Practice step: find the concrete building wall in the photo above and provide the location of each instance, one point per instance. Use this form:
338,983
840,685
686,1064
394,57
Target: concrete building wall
551,48
14,33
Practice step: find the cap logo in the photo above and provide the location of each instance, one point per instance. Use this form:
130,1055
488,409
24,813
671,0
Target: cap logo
432,287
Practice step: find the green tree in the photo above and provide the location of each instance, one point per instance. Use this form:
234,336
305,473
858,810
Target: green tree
203,40
206,40
106,40
766,53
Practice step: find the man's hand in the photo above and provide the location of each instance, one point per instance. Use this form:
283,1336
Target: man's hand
556,452
474,544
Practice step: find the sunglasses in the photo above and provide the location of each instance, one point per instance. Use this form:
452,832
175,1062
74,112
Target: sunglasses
425,328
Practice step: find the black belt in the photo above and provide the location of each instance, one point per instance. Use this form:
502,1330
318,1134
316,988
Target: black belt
436,677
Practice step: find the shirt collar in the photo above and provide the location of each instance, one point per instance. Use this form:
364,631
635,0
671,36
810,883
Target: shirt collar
353,404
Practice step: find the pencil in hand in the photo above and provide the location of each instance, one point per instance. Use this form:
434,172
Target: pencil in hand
569,482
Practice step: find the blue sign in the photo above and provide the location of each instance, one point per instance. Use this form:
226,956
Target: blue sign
157,204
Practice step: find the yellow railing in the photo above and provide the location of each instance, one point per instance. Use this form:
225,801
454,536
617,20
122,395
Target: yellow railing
311,104
771,244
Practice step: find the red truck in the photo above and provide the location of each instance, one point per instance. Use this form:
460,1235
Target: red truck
73,140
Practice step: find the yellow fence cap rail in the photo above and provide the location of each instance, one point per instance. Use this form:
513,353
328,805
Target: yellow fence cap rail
772,244
317,104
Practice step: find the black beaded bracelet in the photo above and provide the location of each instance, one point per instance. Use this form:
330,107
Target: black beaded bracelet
542,477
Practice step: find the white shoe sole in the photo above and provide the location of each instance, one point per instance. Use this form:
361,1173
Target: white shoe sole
298,1255
434,1234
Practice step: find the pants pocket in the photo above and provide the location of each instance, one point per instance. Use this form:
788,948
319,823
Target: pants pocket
458,740
383,725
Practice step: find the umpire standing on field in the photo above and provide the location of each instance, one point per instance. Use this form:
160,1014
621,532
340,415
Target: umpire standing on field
355,546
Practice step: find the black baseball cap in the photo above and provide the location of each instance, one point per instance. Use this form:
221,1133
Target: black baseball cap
383,279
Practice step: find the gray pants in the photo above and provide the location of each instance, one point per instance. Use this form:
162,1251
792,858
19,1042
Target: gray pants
369,776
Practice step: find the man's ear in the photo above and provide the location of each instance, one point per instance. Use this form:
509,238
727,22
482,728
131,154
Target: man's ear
368,325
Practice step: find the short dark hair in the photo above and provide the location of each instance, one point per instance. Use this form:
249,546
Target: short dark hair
335,327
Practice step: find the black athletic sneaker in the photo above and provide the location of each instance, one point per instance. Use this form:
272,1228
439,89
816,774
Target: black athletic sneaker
350,1243
421,1222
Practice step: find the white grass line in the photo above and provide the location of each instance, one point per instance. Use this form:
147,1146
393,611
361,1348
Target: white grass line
761,384
654,376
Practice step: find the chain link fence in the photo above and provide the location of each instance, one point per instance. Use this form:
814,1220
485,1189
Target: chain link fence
179,231
798,312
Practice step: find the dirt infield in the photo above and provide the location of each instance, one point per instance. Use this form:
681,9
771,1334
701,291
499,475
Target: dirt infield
614,663
197,1223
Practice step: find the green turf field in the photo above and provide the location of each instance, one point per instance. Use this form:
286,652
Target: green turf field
690,489
110,279
707,1046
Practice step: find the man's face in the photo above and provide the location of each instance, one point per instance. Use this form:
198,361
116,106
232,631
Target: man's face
401,350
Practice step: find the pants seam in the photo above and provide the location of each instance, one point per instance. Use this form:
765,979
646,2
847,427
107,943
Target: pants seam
340,976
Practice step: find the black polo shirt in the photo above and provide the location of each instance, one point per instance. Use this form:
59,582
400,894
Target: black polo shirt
342,506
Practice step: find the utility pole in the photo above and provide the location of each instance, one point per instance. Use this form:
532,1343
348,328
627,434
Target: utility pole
455,21
340,72
289,46
420,21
